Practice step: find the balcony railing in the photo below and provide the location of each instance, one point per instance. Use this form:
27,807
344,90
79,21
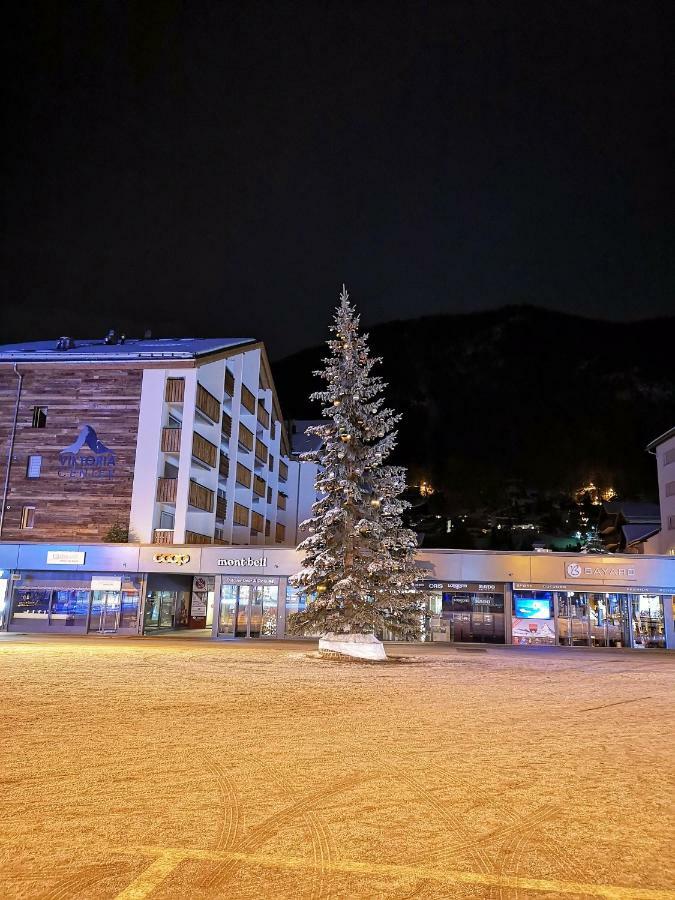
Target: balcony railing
247,399
281,501
204,450
223,466
240,515
162,536
268,525
245,438
194,537
221,508
259,485
263,416
200,497
280,533
229,383
243,475
166,490
226,426
171,440
257,523
174,392
207,404
261,452
283,471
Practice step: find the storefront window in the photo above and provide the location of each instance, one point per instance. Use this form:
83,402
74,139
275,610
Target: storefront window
69,608
268,595
647,620
533,619
572,618
129,609
32,604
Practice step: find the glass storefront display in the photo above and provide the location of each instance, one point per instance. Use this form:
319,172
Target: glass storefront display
4,594
588,617
248,607
463,612
75,601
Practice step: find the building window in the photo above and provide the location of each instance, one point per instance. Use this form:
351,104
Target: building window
33,467
670,489
39,417
669,457
671,523
27,517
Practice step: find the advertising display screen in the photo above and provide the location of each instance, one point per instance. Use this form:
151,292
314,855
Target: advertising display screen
534,605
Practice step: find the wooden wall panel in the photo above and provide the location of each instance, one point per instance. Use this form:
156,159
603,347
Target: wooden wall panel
69,505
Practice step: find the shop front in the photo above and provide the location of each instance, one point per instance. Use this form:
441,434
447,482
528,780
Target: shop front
590,616
464,612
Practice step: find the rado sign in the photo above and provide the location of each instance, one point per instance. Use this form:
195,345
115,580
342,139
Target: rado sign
248,562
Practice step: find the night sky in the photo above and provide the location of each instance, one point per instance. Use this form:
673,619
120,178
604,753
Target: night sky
221,168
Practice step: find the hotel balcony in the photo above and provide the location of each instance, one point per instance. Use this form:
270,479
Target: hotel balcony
221,508
166,490
200,497
223,466
245,438
207,404
174,392
248,400
263,416
193,537
226,426
281,501
261,454
241,514
280,533
171,440
229,383
204,451
257,523
259,486
243,477
283,471
162,536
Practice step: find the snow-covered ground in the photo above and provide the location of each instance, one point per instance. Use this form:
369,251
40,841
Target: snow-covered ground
171,768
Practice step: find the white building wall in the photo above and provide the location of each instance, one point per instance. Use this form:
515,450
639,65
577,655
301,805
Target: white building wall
665,467
148,461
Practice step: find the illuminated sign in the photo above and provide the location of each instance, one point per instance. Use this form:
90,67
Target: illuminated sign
87,457
250,562
178,559
65,558
577,570
106,583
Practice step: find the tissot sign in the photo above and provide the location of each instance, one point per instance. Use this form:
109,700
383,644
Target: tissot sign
597,570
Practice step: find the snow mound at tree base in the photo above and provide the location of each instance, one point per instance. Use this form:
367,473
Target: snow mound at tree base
360,646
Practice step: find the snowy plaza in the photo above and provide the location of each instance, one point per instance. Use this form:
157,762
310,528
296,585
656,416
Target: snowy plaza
176,767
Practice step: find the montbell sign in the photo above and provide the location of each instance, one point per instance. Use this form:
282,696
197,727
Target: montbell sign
249,562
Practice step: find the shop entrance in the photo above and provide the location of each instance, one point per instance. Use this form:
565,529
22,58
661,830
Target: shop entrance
248,610
167,603
104,616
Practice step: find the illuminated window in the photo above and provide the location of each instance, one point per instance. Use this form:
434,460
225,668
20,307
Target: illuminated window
39,417
27,517
33,467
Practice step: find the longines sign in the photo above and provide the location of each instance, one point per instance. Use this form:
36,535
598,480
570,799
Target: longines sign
248,562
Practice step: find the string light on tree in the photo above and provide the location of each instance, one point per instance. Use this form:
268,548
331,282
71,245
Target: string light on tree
359,573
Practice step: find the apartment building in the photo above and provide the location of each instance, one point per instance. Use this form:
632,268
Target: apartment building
663,448
171,441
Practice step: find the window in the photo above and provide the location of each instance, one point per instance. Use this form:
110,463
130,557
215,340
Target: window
27,517
39,417
669,457
670,489
33,467
671,523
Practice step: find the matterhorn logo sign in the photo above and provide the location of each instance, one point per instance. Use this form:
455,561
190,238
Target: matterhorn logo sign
87,457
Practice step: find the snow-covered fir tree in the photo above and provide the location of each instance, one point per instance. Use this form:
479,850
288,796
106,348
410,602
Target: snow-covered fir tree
358,569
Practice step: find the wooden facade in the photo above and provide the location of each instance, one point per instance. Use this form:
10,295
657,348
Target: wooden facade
78,496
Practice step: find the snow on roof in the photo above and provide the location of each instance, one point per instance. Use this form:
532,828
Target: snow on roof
637,533
301,442
662,438
634,512
131,349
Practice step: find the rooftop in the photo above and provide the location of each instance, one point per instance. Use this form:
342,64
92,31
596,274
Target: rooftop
661,439
131,349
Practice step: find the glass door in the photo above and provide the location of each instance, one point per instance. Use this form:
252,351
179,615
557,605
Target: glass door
248,611
572,618
105,611
609,621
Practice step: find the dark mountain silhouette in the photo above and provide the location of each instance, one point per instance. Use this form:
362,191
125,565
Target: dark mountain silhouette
519,394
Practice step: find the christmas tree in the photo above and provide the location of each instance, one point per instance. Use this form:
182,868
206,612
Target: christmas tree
359,573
